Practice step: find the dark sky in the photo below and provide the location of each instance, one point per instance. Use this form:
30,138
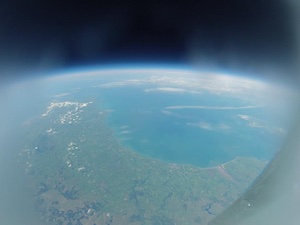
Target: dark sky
253,35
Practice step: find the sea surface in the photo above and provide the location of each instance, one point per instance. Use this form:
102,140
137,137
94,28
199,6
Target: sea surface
144,122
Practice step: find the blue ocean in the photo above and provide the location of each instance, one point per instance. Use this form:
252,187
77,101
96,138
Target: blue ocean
217,132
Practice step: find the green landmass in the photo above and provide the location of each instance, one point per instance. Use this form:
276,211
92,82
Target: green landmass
81,174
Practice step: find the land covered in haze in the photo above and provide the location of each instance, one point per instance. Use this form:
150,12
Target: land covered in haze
82,174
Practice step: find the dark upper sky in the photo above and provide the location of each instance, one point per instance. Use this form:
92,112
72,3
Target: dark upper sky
234,34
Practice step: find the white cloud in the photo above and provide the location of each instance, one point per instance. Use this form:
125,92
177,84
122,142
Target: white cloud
171,80
125,132
169,113
213,107
61,95
252,121
172,90
223,126
257,123
210,126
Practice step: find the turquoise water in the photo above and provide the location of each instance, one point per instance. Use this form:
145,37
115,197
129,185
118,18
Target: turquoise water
201,137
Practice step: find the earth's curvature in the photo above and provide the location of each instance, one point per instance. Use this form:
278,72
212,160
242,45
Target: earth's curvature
145,146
